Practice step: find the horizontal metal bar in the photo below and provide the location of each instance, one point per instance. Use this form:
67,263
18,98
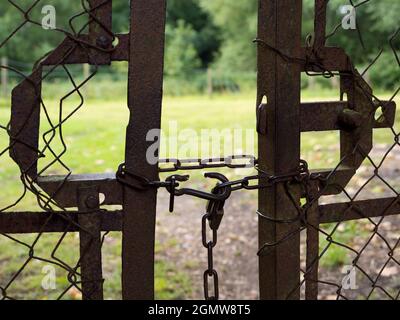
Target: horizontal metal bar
35,222
333,179
70,52
356,210
323,116
64,191
329,58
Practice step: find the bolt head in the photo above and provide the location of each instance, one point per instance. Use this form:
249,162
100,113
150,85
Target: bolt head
103,42
92,202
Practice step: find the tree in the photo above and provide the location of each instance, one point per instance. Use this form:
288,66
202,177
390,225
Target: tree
31,41
181,58
206,38
237,21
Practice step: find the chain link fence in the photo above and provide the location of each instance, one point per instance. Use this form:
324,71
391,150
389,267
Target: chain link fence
307,217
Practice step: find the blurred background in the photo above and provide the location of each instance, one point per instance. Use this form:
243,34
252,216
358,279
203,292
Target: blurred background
210,83
208,43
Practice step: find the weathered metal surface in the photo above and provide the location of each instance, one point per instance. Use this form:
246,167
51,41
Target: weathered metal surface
95,48
329,58
58,221
281,180
73,51
312,245
26,100
63,188
325,116
145,80
90,244
356,121
361,209
279,150
320,23
100,34
280,121
25,121
70,52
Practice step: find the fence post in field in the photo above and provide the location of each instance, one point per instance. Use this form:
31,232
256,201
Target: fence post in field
86,75
279,146
145,79
210,88
4,76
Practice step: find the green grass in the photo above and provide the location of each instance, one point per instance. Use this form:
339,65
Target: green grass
95,139
170,282
345,234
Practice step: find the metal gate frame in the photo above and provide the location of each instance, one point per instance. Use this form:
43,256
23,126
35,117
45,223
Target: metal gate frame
281,119
143,48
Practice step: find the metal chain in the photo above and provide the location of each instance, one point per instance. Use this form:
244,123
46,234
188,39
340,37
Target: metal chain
232,162
210,272
171,183
214,215
216,200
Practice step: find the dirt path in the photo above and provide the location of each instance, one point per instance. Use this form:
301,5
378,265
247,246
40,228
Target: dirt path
235,255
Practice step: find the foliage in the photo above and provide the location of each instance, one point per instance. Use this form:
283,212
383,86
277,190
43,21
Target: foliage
237,21
181,56
383,73
30,41
206,38
204,33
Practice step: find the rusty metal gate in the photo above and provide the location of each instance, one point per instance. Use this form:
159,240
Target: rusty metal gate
290,192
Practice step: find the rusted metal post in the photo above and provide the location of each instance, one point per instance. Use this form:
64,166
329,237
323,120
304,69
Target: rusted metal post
146,64
90,244
312,255
99,30
279,145
320,23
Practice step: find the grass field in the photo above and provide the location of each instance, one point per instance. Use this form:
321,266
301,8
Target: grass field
95,139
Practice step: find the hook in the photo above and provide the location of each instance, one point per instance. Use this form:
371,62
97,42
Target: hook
174,192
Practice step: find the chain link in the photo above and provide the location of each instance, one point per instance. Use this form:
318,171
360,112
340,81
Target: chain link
211,220
231,162
210,273
171,183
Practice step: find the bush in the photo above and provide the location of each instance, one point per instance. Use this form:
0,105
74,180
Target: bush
385,73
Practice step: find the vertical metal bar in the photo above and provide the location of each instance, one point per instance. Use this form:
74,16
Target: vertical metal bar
25,120
90,244
90,237
320,23
100,30
279,145
146,64
312,248
102,12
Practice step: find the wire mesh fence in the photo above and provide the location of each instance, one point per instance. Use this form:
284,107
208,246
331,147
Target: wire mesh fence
41,251
310,220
